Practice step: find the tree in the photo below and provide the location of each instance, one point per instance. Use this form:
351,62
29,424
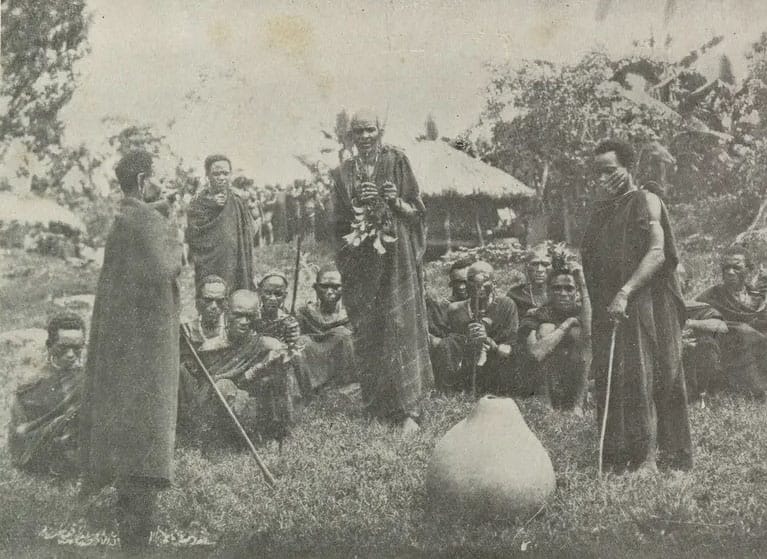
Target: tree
41,40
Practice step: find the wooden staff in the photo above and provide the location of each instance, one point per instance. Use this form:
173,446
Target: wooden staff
607,396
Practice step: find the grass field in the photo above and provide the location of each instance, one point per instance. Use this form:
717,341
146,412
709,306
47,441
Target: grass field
348,486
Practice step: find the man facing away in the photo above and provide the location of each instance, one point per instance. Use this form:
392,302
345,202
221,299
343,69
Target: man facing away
220,229
629,261
130,392
42,434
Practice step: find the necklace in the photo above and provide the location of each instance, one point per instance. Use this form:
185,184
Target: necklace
533,299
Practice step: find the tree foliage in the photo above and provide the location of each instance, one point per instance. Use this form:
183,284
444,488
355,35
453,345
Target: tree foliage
41,41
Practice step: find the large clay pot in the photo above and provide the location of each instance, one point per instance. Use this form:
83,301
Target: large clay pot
489,465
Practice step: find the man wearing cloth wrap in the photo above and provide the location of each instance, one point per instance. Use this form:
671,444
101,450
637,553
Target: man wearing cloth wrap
130,392
629,261
383,290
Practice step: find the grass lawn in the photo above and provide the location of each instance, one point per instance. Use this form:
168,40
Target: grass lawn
350,487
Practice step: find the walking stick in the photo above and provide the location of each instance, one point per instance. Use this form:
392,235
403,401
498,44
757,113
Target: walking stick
299,239
264,470
607,396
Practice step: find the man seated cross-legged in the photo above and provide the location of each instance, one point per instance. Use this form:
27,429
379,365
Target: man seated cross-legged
252,371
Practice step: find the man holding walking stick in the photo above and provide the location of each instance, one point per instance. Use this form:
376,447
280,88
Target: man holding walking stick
629,261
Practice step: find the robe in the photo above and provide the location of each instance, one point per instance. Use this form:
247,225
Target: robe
648,400
221,240
456,355
328,346
523,298
265,405
130,392
384,293
743,350
48,407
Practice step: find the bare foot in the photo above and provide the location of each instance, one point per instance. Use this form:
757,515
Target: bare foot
648,467
409,427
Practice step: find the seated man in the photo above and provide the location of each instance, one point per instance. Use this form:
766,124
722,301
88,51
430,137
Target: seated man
253,372
205,333
42,435
701,355
742,332
533,293
483,330
437,309
557,338
326,335
277,323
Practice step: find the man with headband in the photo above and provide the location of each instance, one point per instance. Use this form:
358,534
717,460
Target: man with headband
382,274
42,435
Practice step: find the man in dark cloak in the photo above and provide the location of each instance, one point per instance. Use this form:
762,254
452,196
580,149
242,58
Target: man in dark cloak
42,434
741,332
629,260
481,338
220,229
326,336
557,338
533,293
130,392
381,234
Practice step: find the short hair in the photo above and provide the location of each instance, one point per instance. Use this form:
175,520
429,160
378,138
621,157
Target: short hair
461,263
273,274
555,273
480,267
213,278
129,167
324,270
738,250
624,152
63,321
216,157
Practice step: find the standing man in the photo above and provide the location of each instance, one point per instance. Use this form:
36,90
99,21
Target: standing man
630,262
220,229
382,274
130,392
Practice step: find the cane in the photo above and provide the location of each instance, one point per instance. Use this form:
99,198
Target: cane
607,396
264,470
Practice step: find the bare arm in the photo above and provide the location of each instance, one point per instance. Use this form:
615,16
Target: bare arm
585,338
651,262
545,340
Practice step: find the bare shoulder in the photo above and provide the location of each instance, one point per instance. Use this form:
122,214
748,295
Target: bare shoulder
653,203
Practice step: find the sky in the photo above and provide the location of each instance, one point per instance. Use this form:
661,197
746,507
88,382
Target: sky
259,80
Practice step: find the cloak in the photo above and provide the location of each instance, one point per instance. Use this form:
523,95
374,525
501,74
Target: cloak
130,392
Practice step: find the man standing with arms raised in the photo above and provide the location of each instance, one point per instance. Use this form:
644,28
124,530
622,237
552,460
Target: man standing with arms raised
130,392
629,261
380,227
220,230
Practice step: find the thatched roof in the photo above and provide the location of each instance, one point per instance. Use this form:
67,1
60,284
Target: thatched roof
441,169
30,209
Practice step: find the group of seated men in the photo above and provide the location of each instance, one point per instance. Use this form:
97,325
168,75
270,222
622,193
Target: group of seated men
263,361
479,342
536,340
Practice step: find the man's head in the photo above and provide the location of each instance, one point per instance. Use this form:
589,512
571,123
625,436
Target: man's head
562,290
328,287
135,173
458,279
480,280
241,315
538,265
366,130
211,302
613,161
736,265
273,289
218,169
66,340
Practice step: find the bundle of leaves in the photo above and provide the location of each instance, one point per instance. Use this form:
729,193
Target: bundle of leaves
373,222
